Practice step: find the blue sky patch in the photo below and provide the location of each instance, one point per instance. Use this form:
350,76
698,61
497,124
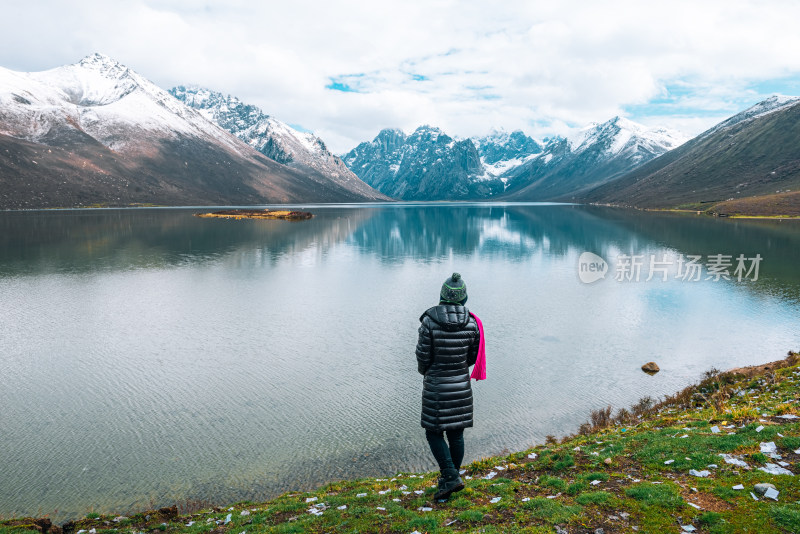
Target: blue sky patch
685,99
347,83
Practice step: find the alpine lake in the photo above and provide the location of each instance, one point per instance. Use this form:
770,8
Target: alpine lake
150,357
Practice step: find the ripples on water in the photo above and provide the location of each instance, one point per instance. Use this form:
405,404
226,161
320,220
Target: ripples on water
149,354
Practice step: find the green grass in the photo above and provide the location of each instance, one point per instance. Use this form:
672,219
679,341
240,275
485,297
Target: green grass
709,519
593,497
577,487
552,482
22,529
787,517
550,511
470,516
662,495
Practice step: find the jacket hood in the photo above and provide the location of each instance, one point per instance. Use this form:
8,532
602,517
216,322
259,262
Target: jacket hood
448,316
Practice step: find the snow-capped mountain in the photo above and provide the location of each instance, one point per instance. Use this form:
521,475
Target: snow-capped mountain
430,165
748,163
426,165
501,151
765,107
98,132
594,155
273,138
101,98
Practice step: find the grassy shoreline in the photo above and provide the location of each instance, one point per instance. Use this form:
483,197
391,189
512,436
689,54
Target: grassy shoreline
624,472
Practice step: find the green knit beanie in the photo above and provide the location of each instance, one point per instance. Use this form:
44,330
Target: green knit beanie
454,290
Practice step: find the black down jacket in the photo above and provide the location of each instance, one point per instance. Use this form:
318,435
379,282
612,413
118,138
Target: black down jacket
447,347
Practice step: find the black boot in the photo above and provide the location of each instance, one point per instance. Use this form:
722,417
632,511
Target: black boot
452,483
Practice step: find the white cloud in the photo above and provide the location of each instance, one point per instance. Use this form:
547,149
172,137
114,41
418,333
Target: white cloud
540,66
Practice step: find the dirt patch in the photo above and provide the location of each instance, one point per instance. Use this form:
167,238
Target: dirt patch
791,359
786,204
706,501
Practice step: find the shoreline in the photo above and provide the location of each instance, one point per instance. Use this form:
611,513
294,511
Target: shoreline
704,211
645,420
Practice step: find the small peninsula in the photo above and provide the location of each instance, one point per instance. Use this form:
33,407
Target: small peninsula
258,214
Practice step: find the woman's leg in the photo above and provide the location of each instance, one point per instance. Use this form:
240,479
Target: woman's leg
456,440
439,449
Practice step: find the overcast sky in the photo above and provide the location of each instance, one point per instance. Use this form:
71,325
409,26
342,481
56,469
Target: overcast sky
347,69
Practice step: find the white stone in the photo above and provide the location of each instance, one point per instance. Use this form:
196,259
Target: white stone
730,459
773,469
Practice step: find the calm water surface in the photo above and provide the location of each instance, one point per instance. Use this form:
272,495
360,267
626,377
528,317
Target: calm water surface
151,356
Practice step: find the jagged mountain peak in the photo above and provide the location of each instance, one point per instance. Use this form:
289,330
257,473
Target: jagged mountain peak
270,136
619,133
102,98
101,62
391,132
426,165
503,146
426,132
95,80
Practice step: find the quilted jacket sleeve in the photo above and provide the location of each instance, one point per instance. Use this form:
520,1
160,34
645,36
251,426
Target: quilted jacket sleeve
424,346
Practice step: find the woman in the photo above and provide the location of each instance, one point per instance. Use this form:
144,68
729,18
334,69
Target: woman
449,339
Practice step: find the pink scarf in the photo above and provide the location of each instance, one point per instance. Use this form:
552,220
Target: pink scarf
479,371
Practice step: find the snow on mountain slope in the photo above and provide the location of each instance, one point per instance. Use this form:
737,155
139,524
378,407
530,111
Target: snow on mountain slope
594,155
502,151
765,107
98,132
620,134
273,138
101,98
